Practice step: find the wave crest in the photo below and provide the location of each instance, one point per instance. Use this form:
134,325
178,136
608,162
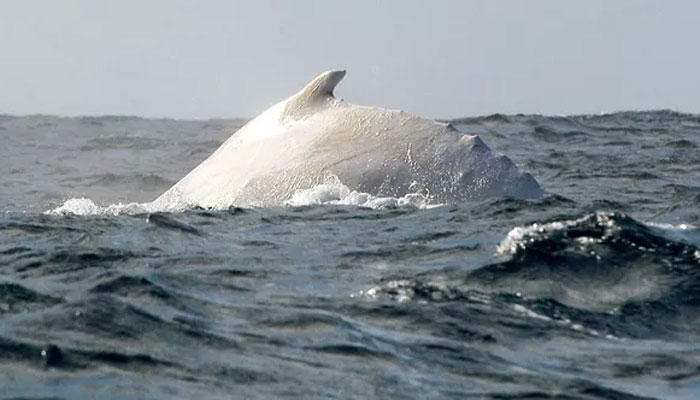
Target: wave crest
606,271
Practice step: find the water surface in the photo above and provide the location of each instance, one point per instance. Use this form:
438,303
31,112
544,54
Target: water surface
591,292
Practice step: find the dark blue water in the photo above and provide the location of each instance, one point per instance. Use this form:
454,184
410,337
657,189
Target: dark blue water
592,292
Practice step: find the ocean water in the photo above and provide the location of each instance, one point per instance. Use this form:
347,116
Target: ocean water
592,292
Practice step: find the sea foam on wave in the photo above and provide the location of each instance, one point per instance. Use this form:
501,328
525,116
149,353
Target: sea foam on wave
331,192
599,226
84,206
334,192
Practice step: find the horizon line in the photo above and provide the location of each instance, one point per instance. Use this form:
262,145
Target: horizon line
213,118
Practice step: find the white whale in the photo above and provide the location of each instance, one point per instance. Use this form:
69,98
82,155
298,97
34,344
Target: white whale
302,141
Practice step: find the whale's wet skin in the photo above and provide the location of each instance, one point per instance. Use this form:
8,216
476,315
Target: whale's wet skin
590,292
312,136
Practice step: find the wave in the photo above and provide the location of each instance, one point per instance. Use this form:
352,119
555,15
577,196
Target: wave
605,272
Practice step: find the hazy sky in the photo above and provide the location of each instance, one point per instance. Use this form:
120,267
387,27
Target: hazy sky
200,59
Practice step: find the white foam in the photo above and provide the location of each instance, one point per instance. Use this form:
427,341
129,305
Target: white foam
331,192
84,206
519,236
334,192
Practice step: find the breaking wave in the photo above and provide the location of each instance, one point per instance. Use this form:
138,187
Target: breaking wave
604,271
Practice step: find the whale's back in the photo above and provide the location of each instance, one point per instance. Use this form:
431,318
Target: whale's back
313,136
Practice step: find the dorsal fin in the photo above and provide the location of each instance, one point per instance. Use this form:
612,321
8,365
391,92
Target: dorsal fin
315,92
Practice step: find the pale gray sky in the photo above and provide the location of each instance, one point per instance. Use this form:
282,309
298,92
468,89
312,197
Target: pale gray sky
200,59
